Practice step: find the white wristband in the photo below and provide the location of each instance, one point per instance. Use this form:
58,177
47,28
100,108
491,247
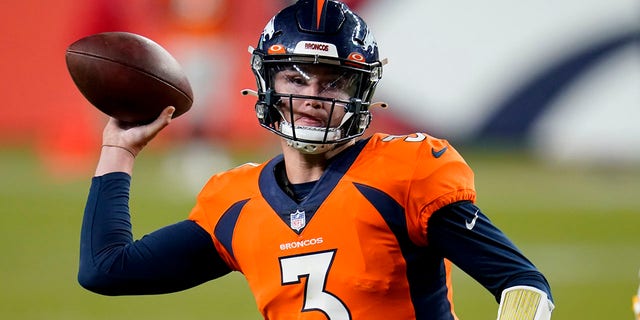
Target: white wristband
524,303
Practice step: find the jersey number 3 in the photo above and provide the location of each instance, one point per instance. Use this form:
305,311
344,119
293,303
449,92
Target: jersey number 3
315,267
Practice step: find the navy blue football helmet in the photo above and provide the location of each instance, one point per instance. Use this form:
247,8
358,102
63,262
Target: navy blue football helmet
322,34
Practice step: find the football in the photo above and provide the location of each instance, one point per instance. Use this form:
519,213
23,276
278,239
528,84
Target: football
128,76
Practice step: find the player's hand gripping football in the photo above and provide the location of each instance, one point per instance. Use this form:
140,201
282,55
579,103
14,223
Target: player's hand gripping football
133,138
121,142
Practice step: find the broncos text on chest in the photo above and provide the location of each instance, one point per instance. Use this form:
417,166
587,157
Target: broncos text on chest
301,243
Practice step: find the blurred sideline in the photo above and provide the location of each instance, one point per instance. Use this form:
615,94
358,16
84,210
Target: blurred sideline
44,110
526,77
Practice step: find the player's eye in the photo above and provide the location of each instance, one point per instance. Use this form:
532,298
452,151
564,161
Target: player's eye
296,80
344,83
335,84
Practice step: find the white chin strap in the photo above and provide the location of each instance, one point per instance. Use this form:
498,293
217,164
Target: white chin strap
310,133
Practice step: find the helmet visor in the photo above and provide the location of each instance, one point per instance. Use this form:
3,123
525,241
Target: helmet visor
313,80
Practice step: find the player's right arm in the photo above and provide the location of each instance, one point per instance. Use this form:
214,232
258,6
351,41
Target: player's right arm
173,258
170,259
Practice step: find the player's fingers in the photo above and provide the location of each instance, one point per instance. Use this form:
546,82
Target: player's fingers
167,113
162,121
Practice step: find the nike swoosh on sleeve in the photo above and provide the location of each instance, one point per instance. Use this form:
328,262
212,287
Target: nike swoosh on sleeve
438,153
472,223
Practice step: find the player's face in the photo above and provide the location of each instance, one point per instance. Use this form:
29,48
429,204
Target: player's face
314,81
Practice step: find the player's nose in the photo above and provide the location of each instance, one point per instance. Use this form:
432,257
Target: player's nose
310,92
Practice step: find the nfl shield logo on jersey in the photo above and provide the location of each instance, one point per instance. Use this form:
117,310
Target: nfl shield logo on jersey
298,220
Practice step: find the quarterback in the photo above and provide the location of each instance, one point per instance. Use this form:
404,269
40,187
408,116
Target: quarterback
337,226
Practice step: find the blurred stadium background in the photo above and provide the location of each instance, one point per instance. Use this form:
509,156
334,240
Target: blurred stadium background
541,97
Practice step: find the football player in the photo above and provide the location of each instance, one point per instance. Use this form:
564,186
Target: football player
335,227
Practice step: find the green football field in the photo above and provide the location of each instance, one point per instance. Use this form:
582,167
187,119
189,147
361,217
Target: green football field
580,226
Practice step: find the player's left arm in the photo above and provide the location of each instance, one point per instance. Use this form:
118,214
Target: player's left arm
465,236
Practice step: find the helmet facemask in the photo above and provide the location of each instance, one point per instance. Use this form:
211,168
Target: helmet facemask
313,106
333,95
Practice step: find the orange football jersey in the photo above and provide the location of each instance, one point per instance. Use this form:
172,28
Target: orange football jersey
356,247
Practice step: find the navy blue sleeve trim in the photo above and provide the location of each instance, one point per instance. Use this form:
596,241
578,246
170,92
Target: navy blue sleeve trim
465,236
227,224
428,294
174,258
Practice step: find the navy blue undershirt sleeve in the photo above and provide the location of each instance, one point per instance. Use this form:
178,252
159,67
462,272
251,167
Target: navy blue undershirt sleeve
481,250
174,258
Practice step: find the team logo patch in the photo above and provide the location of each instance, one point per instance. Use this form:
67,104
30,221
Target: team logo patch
298,220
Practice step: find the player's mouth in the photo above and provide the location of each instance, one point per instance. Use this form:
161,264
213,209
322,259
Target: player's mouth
308,120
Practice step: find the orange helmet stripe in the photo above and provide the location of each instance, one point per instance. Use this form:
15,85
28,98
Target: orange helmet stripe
320,5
